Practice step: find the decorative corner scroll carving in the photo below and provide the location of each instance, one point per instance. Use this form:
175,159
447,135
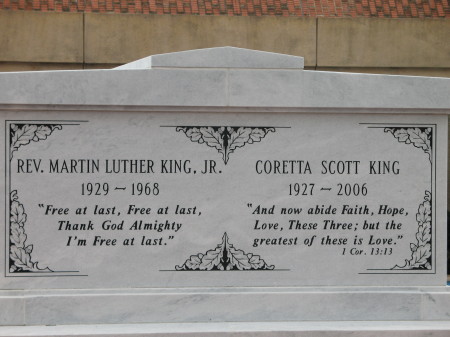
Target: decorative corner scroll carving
19,250
24,134
421,249
421,252
419,137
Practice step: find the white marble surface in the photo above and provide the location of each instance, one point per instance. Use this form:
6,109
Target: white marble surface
226,88
436,306
121,306
227,77
220,57
335,90
214,80
222,199
11,309
243,329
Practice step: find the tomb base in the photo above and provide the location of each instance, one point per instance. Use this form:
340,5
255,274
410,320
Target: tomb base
243,329
208,305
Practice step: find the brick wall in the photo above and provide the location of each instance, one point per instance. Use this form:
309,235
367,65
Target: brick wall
297,8
36,40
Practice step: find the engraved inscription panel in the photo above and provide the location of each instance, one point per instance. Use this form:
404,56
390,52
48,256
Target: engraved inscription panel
213,199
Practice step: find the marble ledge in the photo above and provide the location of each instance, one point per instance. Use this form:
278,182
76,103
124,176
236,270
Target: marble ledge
140,306
223,88
241,329
227,290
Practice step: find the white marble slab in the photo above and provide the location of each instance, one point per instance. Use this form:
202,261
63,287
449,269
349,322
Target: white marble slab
227,77
132,113
284,200
288,329
108,306
220,57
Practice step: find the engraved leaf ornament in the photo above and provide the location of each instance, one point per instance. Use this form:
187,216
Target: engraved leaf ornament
225,139
20,253
225,257
23,134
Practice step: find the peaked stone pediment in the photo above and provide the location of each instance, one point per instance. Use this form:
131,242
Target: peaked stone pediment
220,57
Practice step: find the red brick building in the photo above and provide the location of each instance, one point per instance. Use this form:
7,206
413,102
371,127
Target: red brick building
380,36
296,8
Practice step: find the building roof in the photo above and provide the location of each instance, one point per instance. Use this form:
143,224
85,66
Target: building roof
293,8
